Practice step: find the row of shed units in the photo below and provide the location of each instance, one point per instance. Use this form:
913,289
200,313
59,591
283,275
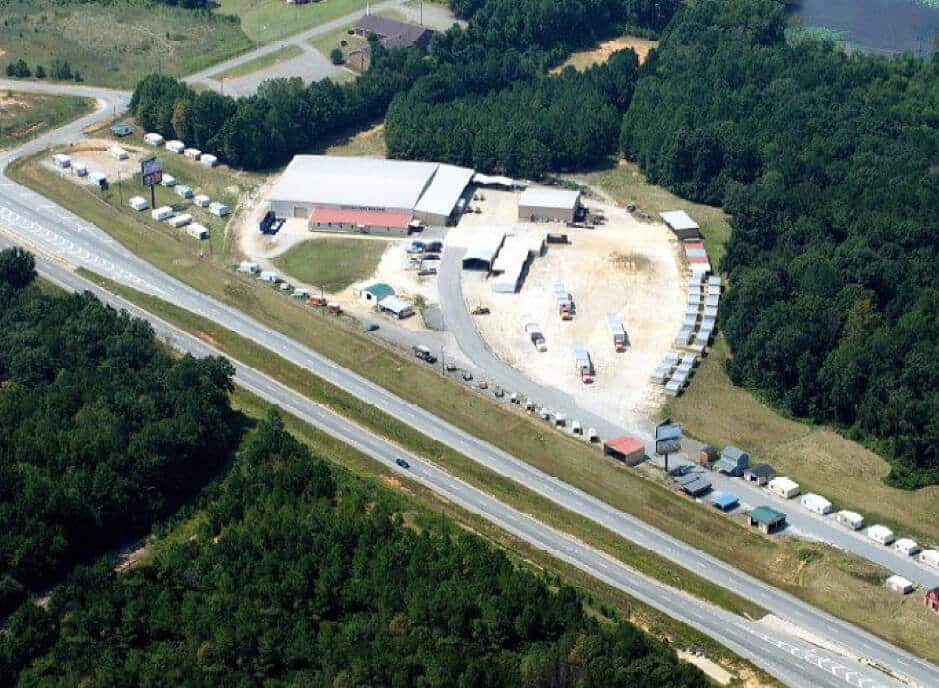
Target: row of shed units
80,169
180,148
675,371
274,279
700,320
182,221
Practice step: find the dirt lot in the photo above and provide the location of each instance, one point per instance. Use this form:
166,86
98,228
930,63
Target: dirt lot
624,267
587,58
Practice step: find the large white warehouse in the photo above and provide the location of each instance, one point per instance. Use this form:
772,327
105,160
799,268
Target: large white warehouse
427,191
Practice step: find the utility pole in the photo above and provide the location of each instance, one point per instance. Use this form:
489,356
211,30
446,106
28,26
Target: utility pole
443,367
120,187
422,12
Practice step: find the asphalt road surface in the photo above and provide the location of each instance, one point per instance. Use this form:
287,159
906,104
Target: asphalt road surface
53,231
461,326
791,659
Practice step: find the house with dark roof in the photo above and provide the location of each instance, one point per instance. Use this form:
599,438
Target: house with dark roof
391,34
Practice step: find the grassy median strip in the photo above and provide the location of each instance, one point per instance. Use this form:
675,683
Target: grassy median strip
821,575
373,418
257,64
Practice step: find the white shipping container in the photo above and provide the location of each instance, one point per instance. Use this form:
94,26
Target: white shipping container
208,160
168,180
881,534
161,213
197,231
201,200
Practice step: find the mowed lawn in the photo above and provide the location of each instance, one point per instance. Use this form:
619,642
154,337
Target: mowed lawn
25,116
332,263
269,20
119,43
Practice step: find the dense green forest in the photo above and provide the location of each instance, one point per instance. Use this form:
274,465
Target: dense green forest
101,430
506,43
549,123
295,578
826,163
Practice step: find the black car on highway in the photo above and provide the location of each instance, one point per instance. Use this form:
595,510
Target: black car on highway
402,463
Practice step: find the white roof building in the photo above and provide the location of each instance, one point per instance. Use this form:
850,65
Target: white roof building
907,546
881,534
483,251
817,503
544,203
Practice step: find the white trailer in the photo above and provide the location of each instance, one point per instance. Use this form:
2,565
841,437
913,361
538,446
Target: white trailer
617,331
180,221
270,277
783,487
153,139
202,200
175,146
197,231
138,203
583,363
183,191
249,267
907,547
192,153
899,584
208,160
61,161
168,180
816,503
218,209
850,519
162,213
880,534
930,557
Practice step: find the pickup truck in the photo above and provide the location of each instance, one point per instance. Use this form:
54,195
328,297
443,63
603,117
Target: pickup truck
423,353
270,223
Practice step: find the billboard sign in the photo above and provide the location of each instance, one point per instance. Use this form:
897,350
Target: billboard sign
151,171
668,437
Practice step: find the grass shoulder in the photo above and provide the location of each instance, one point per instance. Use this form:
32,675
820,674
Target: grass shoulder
24,116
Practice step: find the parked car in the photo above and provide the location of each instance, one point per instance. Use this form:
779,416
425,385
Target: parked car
467,375
415,247
402,463
498,392
431,256
434,246
424,272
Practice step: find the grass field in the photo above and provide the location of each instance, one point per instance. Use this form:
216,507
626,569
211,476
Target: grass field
820,575
331,263
119,43
24,116
256,65
270,20
369,142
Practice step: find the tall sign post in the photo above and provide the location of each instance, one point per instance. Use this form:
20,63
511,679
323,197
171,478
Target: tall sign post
151,174
668,438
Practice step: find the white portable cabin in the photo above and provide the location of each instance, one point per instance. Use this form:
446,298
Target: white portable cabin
269,277
138,203
249,268
881,534
850,519
175,146
180,220
197,231
208,160
674,387
202,200
907,546
219,209
162,213
683,337
184,191
301,293
817,503
899,584
152,138
192,153
118,153
168,180
783,487
61,161
930,557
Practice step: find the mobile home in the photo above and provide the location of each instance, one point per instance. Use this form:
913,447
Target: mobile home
816,503
850,519
880,534
153,139
175,146
180,220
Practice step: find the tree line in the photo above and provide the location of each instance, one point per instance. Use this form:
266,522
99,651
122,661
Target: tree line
293,577
60,70
101,430
826,163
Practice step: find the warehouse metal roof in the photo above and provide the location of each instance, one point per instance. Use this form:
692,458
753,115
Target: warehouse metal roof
543,197
678,219
445,189
485,248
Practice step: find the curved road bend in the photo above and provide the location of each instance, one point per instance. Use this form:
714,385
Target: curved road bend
790,659
57,232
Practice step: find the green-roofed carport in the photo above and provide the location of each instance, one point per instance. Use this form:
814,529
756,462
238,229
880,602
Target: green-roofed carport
767,519
376,292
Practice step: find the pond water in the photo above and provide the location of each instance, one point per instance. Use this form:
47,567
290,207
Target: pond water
875,26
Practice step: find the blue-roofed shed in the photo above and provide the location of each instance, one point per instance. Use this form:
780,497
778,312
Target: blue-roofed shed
733,461
725,501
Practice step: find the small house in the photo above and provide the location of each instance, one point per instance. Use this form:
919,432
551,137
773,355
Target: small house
850,519
208,160
197,231
168,180
759,473
725,501
249,268
121,129
880,534
816,503
61,161
397,307
898,584
180,220
218,209
630,450
907,547
183,191
162,213
783,487
202,200
138,203
175,146
118,153
733,461
192,153
153,139
932,600
80,169
374,293
766,519
929,557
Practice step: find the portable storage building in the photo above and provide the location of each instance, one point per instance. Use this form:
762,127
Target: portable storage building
162,213
733,461
725,501
175,146
899,584
138,203
219,209
630,450
396,306
930,557
202,200
96,178
673,387
184,191
152,138
784,487
766,519
208,160
192,153
249,267
80,169
269,277
817,503
61,161
118,153
197,231
759,473
907,546
168,180
180,220
850,519
881,534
